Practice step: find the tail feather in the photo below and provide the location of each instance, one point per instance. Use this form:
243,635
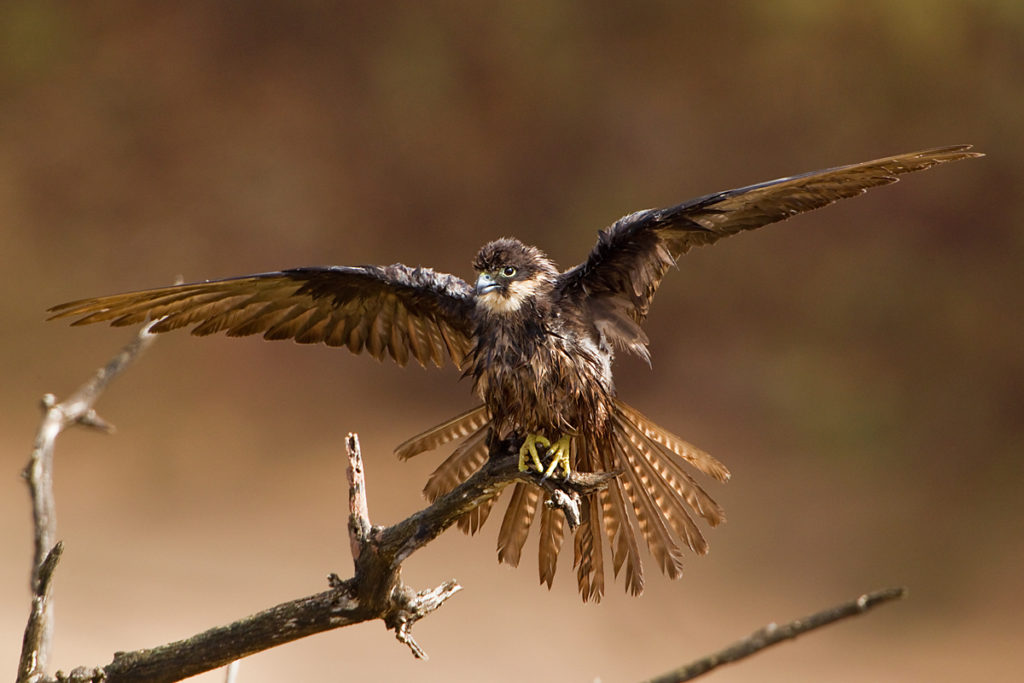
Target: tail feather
456,468
622,538
515,526
459,466
671,472
589,551
588,546
651,522
473,521
455,428
689,490
552,533
667,495
688,452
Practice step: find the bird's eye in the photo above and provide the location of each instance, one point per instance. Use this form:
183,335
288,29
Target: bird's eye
508,271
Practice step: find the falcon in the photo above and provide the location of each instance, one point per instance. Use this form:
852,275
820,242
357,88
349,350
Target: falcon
538,344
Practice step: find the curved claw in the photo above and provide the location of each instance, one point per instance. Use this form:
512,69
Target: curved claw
529,447
559,452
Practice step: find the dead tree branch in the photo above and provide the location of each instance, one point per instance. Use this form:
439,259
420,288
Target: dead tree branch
773,634
77,409
375,590
35,643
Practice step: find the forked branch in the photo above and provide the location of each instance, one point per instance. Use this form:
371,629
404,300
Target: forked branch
375,590
77,409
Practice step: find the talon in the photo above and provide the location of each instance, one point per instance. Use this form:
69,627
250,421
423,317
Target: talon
529,447
559,453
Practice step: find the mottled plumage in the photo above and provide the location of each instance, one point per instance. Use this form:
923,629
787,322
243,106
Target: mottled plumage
538,345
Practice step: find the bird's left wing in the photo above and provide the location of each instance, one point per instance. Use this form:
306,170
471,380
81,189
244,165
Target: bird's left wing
624,269
394,310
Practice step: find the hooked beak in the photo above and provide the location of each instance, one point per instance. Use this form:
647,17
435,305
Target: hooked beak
485,283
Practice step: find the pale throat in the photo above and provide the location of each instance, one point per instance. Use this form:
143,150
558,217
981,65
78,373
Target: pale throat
511,300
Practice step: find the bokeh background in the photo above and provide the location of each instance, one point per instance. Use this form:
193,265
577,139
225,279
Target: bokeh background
860,369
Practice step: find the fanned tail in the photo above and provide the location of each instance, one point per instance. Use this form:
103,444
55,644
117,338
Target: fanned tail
654,498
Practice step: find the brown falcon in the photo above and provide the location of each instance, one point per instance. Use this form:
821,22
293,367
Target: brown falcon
538,344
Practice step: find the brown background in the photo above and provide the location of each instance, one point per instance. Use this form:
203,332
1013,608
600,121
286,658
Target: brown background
859,369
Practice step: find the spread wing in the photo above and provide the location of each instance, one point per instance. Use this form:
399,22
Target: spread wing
619,278
393,310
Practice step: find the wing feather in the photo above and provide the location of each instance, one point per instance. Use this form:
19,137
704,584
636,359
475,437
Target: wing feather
633,255
399,344
386,310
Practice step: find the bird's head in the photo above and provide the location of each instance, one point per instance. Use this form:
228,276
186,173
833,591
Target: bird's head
510,274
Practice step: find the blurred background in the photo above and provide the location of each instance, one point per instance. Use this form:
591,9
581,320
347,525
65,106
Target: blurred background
860,369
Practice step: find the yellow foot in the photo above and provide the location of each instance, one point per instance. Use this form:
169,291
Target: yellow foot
529,448
559,452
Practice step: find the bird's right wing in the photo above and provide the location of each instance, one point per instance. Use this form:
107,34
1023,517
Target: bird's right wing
395,310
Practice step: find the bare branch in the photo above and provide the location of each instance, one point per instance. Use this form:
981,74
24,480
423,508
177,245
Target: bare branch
773,634
415,608
38,473
376,590
30,668
358,509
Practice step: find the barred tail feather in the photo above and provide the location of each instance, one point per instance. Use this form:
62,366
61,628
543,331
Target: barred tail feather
589,551
473,521
552,533
622,537
669,469
515,526
459,466
450,430
664,492
652,524
669,441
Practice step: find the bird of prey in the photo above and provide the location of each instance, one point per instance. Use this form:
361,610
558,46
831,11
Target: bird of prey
538,344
